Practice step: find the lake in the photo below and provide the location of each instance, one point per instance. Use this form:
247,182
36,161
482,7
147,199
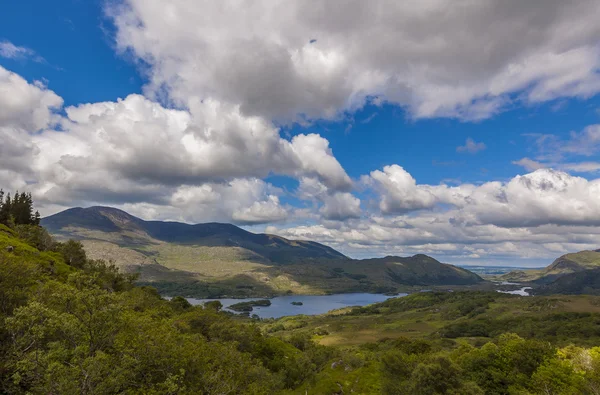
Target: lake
311,304
524,291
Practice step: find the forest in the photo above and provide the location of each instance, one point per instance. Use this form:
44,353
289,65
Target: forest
73,325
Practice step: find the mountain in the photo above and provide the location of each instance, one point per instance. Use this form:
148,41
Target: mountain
566,264
216,259
132,230
580,282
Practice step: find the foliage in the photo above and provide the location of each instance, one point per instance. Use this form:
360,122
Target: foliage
18,210
248,306
69,324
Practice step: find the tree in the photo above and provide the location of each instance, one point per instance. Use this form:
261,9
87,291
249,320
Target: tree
5,208
73,253
18,210
213,305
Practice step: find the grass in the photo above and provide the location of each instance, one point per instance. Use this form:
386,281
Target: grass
23,254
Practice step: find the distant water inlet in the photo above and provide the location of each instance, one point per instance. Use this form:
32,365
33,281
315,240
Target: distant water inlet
304,304
524,291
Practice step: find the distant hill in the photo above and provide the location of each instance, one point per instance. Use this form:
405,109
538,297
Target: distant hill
566,264
581,282
216,259
421,269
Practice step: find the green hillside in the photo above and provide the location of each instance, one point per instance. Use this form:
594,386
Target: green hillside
456,343
580,282
211,260
566,264
72,325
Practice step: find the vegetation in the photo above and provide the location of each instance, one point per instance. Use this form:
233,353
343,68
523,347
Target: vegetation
583,282
427,343
17,210
248,306
562,266
71,324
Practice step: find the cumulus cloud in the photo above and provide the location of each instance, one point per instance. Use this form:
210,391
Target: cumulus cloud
25,106
113,146
535,216
340,206
471,147
334,205
542,197
399,191
199,142
440,58
138,153
242,201
24,109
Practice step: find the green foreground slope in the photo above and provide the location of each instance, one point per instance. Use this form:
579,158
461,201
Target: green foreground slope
71,325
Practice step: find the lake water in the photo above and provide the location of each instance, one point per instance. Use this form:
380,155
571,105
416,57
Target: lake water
522,291
311,304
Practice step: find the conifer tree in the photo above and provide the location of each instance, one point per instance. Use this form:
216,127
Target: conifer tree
18,210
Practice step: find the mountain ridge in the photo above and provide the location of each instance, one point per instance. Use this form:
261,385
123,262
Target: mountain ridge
211,233
217,259
566,274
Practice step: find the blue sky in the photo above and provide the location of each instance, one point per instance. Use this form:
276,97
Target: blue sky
352,127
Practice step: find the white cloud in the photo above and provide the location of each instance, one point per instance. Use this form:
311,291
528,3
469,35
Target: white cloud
243,201
399,191
136,141
534,216
137,153
583,167
340,206
25,106
584,143
435,58
565,154
24,109
261,212
334,205
222,75
471,147
10,51
529,164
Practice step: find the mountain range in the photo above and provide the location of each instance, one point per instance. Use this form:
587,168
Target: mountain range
217,259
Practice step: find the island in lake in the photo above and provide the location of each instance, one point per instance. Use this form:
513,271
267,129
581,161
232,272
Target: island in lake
248,306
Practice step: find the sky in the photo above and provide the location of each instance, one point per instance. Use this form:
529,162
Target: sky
469,131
